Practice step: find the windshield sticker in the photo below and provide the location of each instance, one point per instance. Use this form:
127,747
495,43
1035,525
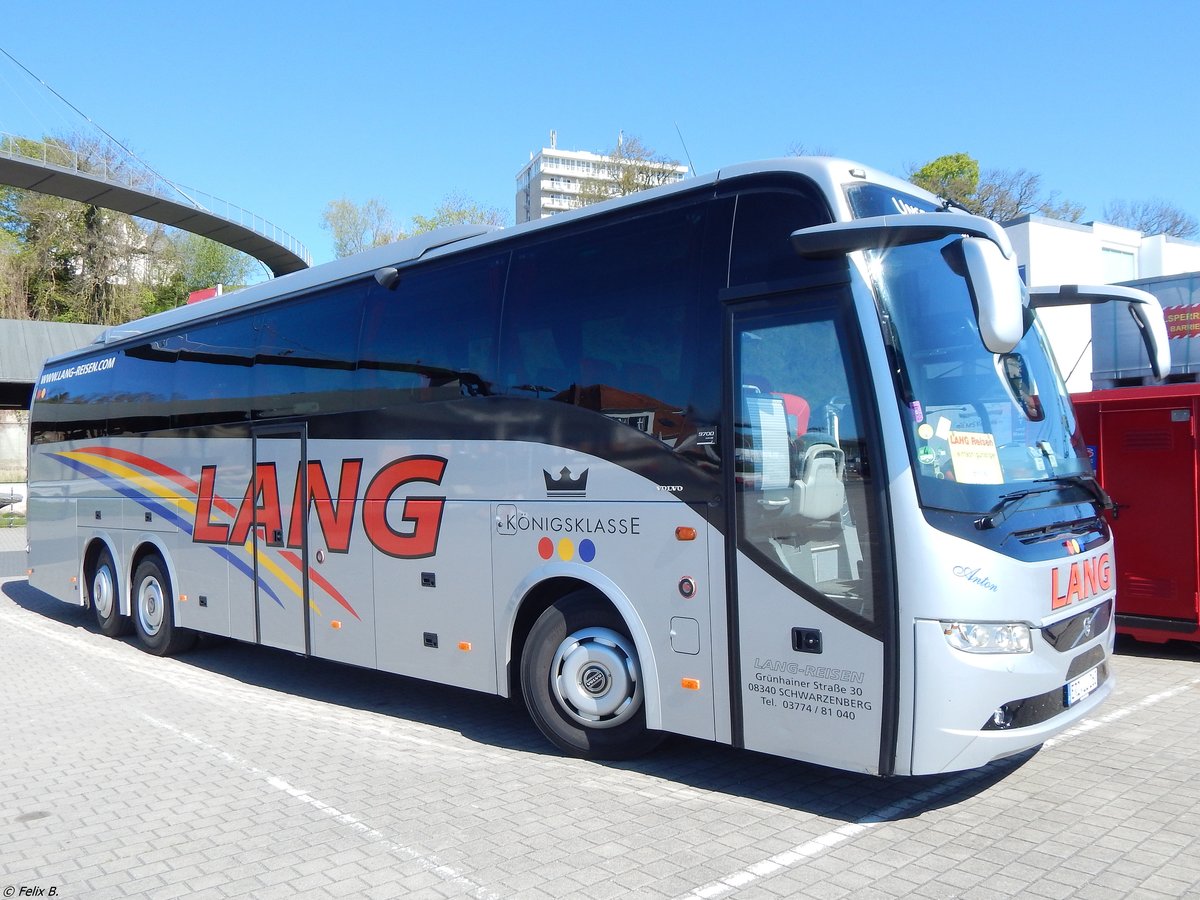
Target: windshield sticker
917,413
974,458
943,428
925,431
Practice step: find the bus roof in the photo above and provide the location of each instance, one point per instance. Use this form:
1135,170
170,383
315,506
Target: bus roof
829,173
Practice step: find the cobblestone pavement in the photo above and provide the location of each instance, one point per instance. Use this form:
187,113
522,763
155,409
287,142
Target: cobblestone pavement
12,551
237,771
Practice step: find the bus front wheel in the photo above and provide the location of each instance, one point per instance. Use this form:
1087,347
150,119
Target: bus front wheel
153,611
582,682
105,597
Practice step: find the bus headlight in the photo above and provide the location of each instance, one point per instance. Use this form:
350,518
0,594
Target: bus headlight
988,637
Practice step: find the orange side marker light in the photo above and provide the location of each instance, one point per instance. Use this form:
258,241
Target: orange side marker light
690,684
685,533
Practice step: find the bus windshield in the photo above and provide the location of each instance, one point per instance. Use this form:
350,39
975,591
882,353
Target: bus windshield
977,422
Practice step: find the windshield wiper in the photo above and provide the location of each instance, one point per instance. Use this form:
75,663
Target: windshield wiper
1007,503
1010,501
1091,485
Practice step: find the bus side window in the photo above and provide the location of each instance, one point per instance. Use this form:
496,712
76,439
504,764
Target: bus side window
804,505
210,379
614,321
762,248
306,352
433,335
142,389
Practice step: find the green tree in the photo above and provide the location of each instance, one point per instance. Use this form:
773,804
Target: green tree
997,194
356,227
193,263
633,167
455,209
953,177
72,261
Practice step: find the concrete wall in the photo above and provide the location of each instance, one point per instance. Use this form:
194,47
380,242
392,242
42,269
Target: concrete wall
14,438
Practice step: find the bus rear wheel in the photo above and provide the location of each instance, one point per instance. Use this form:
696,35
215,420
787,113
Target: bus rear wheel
582,682
153,610
105,597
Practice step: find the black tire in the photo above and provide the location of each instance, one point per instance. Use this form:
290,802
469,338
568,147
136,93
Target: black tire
153,610
582,682
105,596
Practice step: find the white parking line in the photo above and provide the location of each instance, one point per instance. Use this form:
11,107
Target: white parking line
823,842
425,861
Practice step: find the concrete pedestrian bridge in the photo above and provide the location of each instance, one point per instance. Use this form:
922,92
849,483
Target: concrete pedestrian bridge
51,168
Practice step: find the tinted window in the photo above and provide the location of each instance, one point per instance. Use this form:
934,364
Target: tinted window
210,381
762,230
72,399
433,335
305,353
142,389
614,320
292,358
804,493
876,200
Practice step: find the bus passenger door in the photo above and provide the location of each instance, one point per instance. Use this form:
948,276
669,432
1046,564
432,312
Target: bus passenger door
811,610
280,539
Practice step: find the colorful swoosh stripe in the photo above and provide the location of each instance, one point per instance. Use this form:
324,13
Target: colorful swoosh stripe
156,488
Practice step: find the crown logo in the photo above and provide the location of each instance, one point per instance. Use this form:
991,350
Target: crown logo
564,485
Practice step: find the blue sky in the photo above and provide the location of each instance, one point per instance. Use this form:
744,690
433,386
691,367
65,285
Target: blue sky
281,107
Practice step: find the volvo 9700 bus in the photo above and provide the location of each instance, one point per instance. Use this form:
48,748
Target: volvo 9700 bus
776,457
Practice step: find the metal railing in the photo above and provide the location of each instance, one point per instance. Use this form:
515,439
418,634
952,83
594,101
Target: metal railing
118,172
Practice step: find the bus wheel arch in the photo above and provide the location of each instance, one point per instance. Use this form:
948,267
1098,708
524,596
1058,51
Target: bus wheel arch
103,586
581,674
152,604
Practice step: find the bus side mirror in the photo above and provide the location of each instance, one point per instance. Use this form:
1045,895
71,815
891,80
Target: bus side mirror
1143,306
998,293
987,255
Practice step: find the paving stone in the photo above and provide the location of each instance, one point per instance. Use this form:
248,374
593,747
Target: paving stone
237,771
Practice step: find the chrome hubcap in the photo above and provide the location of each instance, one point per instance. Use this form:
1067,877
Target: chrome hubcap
595,678
150,606
103,591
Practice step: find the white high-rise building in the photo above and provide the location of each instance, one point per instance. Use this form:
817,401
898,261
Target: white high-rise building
553,180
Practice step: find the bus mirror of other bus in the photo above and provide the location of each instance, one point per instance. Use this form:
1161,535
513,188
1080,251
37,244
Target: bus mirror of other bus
1143,306
987,257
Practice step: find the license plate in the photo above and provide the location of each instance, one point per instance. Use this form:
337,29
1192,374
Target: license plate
1082,686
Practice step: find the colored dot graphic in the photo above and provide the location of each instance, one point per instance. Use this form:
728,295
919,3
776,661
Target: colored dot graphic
566,549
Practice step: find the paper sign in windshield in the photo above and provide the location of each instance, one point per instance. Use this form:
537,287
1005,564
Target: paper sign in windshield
974,458
770,428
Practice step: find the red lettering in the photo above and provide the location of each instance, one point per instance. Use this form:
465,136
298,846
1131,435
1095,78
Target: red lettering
260,506
204,529
1104,572
1074,591
1086,579
425,513
1056,601
1089,577
336,519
